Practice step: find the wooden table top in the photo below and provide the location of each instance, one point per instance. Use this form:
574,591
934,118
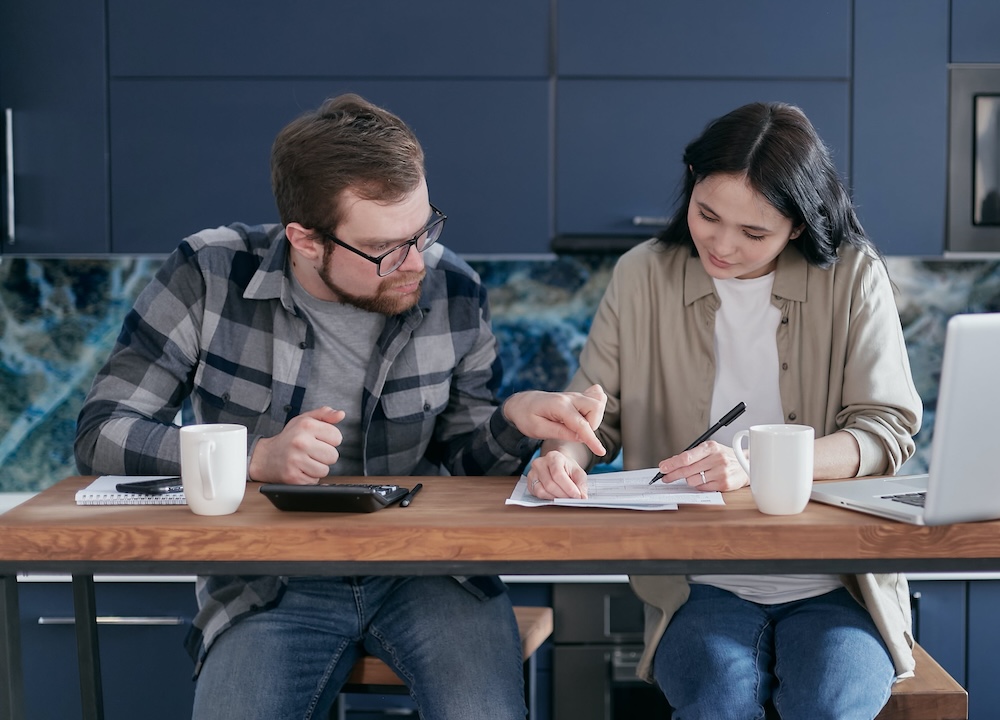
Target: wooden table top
461,525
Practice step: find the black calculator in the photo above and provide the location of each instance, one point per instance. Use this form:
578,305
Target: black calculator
356,498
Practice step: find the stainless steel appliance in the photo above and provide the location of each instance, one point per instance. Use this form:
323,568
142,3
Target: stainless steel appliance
597,641
973,158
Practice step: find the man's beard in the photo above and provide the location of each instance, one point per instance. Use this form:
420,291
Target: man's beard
384,302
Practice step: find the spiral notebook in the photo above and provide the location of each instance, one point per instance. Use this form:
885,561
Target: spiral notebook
103,492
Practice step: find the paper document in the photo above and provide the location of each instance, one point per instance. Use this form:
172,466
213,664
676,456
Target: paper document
623,491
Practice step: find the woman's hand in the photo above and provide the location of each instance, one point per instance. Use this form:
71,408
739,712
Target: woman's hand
555,474
709,466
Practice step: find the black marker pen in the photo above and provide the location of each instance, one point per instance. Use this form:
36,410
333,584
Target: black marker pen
726,419
408,498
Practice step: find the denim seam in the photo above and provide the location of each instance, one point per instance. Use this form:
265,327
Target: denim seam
756,664
325,679
395,664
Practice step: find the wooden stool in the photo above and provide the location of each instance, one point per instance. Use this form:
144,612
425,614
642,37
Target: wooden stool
931,694
533,623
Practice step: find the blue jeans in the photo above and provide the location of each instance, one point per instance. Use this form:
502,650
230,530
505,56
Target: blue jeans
725,658
460,655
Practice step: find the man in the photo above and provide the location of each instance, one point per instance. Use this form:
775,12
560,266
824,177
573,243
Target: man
348,343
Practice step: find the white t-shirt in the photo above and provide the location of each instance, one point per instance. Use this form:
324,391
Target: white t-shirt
746,369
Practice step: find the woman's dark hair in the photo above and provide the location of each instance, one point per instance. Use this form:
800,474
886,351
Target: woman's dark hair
783,158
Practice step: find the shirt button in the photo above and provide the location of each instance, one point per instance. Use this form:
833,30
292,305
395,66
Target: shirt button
792,416
427,407
784,321
302,345
784,366
225,397
288,408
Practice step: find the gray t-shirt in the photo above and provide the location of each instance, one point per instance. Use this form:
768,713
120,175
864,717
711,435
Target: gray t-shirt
345,338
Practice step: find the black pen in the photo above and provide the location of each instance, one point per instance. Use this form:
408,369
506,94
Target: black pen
408,498
726,419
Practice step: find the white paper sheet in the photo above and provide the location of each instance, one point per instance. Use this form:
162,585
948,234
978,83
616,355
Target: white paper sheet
628,490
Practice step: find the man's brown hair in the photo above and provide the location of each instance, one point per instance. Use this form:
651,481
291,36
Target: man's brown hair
346,143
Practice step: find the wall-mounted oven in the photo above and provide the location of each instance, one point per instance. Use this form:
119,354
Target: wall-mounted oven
597,641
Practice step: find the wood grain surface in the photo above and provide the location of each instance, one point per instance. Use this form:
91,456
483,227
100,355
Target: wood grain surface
464,522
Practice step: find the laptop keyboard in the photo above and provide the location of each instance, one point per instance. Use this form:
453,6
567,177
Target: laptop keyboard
913,498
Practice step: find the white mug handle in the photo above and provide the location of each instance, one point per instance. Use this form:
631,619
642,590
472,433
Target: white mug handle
738,450
205,450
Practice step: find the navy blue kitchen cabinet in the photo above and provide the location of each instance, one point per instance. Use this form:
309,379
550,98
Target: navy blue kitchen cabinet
145,670
956,622
900,120
984,636
136,124
619,142
195,154
939,622
974,28
191,131
53,96
638,80
158,117
302,39
711,39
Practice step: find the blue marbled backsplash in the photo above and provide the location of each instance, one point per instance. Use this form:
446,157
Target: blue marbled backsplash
59,319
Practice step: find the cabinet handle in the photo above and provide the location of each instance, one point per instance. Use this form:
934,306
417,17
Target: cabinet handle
114,620
650,221
9,165
623,665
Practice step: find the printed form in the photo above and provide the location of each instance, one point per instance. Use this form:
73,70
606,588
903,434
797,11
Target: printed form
629,490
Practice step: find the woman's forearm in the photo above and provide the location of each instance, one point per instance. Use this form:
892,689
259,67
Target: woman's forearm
837,455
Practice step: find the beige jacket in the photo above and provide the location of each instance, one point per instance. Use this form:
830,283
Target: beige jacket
843,367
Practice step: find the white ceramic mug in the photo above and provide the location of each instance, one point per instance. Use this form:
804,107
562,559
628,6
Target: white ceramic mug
780,466
214,467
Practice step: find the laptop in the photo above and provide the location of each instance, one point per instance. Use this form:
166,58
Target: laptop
963,479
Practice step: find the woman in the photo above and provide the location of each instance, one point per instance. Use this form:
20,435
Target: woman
763,289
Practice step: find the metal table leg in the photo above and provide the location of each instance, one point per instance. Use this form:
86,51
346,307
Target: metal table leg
11,674
87,651
531,685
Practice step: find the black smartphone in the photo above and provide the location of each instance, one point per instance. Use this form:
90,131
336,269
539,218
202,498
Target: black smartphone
333,498
156,486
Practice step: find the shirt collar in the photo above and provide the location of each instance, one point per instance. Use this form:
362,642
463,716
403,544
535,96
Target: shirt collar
790,278
269,280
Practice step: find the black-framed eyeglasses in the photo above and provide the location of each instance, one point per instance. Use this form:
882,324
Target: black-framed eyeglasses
390,260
